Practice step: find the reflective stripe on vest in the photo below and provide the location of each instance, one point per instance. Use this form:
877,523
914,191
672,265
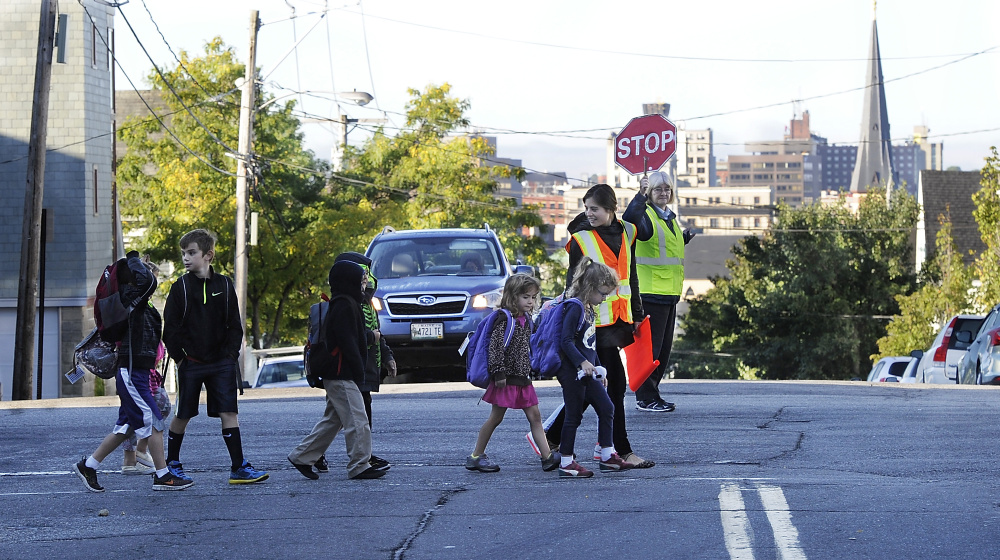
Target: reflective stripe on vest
619,304
659,261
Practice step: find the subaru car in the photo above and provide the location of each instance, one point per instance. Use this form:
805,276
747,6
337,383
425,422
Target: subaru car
981,362
434,286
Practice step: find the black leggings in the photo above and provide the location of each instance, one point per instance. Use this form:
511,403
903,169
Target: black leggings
617,385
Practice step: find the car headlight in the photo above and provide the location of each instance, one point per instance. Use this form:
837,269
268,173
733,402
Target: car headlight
488,299
377,304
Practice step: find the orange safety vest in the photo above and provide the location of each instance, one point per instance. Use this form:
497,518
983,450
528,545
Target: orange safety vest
619,304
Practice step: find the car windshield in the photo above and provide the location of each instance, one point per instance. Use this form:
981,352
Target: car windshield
435,256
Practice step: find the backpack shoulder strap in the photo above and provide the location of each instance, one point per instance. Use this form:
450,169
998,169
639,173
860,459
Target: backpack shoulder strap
184,289
508,334
583,311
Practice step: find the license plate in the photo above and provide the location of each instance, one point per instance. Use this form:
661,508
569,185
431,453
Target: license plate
426,331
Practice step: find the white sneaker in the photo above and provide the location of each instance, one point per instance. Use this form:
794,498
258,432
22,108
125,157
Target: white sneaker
597,452
137,469
144,458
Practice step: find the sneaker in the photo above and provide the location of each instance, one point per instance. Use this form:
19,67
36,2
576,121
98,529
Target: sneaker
575,470
246,474
368,474
481,464
321,464
177,469
614,463
597,452
379,463
551,462
654,406
137,469
553,447
88,476
306,470
143,458
171,482
638,462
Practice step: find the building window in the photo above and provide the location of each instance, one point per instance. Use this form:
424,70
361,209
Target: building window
737,222
701,160
93,45
756,200
756,222
714,222
95,190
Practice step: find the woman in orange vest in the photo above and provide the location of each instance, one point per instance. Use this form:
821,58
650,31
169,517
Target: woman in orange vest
599,234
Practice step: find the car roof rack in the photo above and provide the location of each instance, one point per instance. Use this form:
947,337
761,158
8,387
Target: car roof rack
486,226
388,229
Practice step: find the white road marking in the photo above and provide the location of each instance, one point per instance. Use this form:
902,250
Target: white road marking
735,524
786,536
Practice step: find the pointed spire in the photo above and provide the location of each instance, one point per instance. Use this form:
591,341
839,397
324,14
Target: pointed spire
873,166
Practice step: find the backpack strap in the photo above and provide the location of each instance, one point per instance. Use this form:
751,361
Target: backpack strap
184,285
583,311
508,334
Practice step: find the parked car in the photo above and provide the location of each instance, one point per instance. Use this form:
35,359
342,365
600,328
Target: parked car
278,367
893,369
981,362
939,363
434,288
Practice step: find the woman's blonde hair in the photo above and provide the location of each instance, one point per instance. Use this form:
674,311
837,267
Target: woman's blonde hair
515,286
589,276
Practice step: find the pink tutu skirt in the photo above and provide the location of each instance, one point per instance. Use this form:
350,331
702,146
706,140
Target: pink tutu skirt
511,396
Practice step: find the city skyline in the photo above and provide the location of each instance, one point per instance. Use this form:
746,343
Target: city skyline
563,78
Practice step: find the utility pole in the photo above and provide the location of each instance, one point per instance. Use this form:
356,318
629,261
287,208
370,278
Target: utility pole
27,289
247,104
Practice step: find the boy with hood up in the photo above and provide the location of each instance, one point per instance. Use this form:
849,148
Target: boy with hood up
344,338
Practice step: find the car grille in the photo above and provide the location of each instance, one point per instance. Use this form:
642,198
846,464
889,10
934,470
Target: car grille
444,305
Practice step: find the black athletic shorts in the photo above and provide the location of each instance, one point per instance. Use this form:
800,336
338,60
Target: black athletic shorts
220,381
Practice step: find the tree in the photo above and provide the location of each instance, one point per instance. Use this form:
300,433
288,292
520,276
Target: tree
944,292
171,191
987,215
806,300
434,177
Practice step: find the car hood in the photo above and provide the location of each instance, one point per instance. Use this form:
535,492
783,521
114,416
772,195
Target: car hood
438,284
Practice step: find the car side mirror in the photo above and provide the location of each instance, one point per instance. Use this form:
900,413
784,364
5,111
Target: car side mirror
964,337
917,354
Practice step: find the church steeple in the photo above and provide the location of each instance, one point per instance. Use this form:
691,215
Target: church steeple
874,163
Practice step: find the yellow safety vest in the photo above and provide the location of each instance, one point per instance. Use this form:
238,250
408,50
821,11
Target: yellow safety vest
619,304
659,261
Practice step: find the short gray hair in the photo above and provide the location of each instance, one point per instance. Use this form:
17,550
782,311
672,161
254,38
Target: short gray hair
658,178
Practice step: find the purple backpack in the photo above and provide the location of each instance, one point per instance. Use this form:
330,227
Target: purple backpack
477,370
545,358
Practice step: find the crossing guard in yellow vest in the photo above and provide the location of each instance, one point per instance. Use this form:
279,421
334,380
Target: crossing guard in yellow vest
659,255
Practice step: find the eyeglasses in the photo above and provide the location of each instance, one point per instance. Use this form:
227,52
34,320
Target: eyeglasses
661,189
607,293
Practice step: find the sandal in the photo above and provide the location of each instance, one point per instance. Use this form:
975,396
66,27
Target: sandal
638,462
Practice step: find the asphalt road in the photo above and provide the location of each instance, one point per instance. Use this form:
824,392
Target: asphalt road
744,470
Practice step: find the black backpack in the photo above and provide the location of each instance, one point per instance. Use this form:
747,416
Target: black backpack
315,356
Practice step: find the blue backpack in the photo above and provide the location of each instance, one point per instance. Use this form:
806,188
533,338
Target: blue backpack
478,349
545,358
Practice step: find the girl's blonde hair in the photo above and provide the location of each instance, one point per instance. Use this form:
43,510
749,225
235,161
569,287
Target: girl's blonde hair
588,277
515,286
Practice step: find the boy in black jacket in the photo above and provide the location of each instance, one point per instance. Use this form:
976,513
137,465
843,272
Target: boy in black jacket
344,338
138,412
203,333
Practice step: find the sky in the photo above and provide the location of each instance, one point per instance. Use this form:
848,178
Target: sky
552,80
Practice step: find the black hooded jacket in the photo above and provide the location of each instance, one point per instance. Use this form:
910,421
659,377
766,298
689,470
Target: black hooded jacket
620,333
379,352
344,326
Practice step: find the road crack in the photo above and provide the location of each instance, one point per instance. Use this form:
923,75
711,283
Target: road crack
425,519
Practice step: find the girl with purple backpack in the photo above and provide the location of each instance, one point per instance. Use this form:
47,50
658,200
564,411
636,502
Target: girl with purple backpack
510,373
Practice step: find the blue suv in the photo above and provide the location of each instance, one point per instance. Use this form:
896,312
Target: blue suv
434,287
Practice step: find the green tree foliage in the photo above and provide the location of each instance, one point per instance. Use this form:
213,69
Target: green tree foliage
170,191
806,300
434,177
987,214
944,292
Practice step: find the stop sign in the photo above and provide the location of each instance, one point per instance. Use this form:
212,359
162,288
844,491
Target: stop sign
645,144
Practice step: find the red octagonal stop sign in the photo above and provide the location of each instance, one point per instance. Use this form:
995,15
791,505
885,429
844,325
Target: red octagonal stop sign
645,144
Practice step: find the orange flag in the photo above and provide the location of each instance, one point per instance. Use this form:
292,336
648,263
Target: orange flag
639,356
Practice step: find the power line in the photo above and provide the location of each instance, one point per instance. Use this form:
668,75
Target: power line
174,92
144,102
647,55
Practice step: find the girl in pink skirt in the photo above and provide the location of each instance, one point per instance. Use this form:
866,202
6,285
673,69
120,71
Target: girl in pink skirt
510,374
